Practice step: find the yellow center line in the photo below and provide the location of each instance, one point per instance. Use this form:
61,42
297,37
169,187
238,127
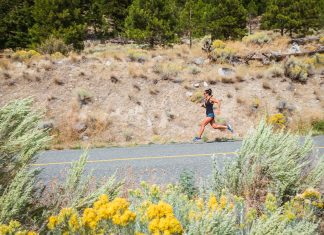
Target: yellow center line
145,158
139,158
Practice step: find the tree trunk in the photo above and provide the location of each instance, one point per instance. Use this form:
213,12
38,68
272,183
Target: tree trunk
190,28
152,42
250,24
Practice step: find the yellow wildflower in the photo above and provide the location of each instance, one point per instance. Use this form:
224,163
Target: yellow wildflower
212,203
200,203
90,218
271,202
218,44
162,219
4,229
289,215
14,224
103,199
223,202
64,214
311,193
52,221
31,233
74,222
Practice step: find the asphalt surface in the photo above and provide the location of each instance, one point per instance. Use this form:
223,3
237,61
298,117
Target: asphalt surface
152,163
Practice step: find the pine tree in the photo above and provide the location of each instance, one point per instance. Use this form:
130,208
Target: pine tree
116,11
293,16
193,19
260,5
60,18
14,24
226,19
152,21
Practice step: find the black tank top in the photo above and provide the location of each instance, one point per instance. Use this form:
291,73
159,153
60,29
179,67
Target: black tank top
209,107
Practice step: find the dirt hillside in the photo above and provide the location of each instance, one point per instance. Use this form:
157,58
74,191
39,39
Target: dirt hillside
121,95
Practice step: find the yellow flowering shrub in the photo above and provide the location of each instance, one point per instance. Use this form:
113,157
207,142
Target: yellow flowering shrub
57,55
223,55
218,44
14,227
277,120
299,69
321,40
104,214
162,220
23,55
311,193
271,203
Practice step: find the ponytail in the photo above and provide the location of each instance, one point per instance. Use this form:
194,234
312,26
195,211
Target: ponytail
209,91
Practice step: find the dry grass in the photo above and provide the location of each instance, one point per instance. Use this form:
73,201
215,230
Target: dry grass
228,80
5,64
74,58
137,71
302,121
47,65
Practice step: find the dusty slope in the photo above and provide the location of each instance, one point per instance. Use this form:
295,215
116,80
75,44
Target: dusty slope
128,102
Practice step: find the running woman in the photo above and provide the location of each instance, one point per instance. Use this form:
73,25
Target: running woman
209,102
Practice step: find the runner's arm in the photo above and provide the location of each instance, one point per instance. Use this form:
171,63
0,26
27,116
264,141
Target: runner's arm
218,103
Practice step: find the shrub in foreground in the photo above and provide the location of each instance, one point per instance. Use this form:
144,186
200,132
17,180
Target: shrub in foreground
270,187
270,161
149,210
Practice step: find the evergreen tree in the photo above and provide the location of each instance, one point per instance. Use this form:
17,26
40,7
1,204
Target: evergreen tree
226,19
193,19
60,18
15,20
299,16
93,12
116,11
152,21
261,5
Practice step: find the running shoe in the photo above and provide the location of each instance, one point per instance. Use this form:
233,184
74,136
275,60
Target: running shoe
230,128
196,139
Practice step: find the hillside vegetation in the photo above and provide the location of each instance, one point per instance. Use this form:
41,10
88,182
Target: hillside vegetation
120,94
272,187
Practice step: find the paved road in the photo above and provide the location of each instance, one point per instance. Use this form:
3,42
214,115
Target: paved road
153,163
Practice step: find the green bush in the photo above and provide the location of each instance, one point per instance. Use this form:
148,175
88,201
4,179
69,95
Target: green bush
270,161
223,55
197,97
318,126
187,183
298,69
20,141
257,38
54,45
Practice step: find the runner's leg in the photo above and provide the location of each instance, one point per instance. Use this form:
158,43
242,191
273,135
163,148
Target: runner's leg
203,124
217,126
